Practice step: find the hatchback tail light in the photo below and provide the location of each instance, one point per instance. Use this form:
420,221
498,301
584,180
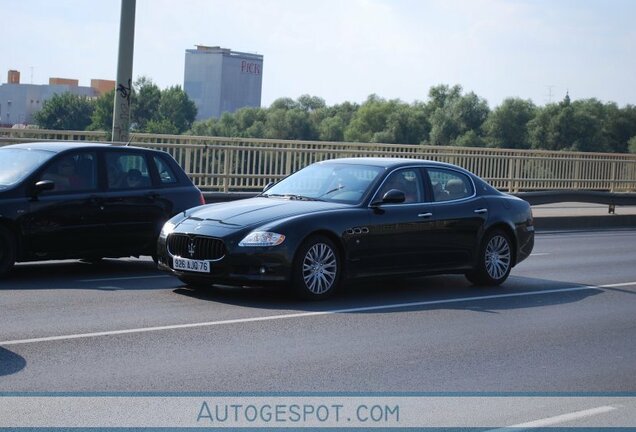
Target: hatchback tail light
201,198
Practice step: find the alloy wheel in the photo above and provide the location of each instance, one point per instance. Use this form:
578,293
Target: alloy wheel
320,268
497,257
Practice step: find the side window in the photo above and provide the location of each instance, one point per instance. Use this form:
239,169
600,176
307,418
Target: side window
407,181
73,172
126,171
166,174
449,185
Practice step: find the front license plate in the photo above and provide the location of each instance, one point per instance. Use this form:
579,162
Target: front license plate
198,266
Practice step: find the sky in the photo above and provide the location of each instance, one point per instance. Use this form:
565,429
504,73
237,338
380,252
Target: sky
344,50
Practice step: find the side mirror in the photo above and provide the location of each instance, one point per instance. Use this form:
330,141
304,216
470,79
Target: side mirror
393,196
268,186
43,185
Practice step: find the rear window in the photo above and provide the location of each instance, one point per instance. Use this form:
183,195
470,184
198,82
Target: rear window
449,185
127,171
166,174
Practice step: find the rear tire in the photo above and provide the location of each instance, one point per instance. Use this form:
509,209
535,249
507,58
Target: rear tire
7,250
495,260
316,269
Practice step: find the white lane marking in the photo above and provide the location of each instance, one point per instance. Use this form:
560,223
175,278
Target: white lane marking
616,285
550,421
303,314
540,253
123,278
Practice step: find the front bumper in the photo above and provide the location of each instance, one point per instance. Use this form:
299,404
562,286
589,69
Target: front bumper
256,266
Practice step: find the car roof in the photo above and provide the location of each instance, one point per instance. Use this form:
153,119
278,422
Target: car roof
390,163
60,146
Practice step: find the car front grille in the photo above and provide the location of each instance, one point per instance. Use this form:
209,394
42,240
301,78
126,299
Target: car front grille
195,247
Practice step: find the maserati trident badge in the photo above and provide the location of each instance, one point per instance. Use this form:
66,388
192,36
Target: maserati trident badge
191,248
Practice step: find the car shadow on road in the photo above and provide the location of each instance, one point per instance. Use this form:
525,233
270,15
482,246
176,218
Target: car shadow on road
399,295
71,274
10,362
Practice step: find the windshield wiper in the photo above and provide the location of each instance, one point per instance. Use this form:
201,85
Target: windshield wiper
336,189
293,197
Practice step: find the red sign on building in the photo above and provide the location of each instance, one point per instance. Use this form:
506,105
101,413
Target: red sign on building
251,68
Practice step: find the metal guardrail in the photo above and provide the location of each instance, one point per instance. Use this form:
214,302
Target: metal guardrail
594,197
240,164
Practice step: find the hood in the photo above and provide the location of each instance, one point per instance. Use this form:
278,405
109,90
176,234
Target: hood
251,211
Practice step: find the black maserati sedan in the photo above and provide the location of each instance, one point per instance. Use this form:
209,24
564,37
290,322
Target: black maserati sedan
62,200
352,218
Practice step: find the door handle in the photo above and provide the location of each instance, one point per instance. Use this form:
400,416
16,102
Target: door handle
425,215
481,211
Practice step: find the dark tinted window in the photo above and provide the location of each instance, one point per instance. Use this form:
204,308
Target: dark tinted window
127,171
73,172
449,185
406,180
166,174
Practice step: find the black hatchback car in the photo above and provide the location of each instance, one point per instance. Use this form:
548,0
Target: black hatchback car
62,200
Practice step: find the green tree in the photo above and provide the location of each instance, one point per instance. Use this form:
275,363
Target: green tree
541,129
65,111
408,124
176,107
370,120
331,129
144,104
310,103
577,126
102,117
440,95
588,132
470,139
619,126
453,114
632,144
162,126
284,104
507,125
245,117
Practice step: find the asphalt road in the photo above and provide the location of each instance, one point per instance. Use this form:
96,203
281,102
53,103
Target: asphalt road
565,321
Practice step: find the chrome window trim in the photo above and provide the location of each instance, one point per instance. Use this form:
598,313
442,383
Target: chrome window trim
472,182
377,190
426,167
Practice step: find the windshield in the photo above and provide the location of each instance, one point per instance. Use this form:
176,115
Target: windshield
337,182
16,164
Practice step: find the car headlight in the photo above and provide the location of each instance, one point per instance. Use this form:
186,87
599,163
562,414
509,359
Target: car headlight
262,238
167,229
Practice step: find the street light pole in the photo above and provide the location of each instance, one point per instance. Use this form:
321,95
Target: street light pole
121,112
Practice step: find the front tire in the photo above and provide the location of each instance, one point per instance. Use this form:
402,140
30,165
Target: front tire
316,270
7,250
495,260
